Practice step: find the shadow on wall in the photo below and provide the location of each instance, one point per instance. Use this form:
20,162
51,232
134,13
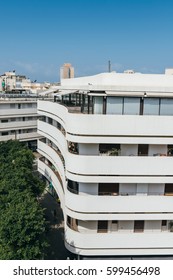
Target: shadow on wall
55,233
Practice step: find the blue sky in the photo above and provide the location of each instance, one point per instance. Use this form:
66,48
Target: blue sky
38,36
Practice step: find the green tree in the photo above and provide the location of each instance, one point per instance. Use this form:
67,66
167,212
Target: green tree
22,222
22,227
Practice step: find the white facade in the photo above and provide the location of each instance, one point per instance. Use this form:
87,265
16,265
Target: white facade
18,119
107,149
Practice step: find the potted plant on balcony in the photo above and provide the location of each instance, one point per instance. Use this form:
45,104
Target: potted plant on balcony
114,152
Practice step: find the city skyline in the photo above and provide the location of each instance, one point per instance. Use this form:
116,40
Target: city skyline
36,40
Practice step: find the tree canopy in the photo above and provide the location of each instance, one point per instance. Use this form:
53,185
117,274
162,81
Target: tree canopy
22,222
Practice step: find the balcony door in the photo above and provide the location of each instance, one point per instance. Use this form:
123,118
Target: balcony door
102,226
168,189
139,226
108,189
143,150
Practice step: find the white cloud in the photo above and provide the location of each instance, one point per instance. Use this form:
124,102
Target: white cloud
28,67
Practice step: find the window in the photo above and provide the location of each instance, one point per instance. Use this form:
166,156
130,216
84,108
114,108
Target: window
114,226
58,125
31,118
131,106
68,220
168,189
143,150
138,226
166,106
4,133
112,149
72,223
50,121
114,105
151,106
102,226
164,223
98,105
4,121
73,186
108,189
12,106
170,150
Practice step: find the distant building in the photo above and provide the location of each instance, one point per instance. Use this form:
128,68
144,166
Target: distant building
18,118
169,71
18,107
10,82
66,71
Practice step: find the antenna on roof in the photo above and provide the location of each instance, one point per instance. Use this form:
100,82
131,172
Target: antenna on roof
109,66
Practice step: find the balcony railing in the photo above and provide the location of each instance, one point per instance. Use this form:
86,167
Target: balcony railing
72,190
57,124
108,193
53,146
134,194
73,148
52,167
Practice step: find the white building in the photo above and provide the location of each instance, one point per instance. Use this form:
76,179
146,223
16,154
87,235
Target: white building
107,146
10,82
18,119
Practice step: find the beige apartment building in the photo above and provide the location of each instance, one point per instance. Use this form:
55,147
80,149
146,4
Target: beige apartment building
66,71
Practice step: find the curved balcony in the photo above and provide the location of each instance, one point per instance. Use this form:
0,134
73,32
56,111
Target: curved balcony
108,125
118,179
119,243
53,157
119,166
50,109
53,134
117,204
52,177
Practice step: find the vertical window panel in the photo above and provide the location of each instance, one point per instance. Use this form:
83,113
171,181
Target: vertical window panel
114,105
151,106
98,105
166,107
131,106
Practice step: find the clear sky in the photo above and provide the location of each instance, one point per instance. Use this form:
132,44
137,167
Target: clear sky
38,36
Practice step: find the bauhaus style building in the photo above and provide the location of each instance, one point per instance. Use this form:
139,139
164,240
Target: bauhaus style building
107,148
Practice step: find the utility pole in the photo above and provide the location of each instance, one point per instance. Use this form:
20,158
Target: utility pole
109,66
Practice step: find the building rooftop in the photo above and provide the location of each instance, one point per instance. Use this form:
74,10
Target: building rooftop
122,82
